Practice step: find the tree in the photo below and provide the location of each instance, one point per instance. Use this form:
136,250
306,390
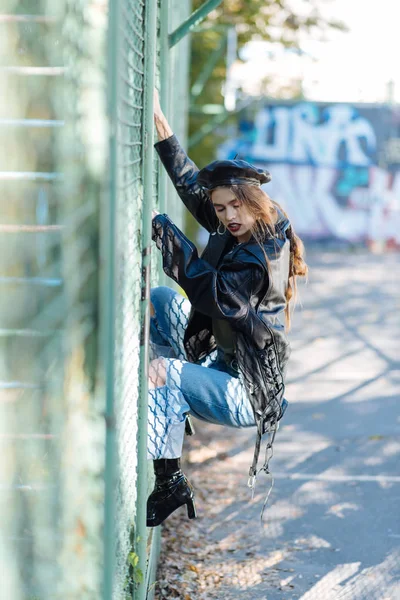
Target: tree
268,20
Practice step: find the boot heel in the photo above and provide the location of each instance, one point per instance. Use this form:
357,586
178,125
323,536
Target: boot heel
191,509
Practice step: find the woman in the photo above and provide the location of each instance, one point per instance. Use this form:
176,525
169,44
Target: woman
228,339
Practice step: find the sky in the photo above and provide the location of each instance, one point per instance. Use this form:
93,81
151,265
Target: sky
352,66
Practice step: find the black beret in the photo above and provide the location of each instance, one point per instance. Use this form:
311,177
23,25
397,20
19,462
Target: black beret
231,172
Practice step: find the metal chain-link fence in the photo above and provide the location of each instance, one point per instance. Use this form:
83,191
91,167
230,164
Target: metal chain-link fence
53,151
134,57
75,203
128,265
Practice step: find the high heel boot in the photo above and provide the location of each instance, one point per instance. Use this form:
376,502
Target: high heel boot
171,491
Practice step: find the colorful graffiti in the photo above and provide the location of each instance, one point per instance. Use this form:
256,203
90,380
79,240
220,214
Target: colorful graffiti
335,167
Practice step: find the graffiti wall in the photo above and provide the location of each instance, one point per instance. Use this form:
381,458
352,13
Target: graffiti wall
335,167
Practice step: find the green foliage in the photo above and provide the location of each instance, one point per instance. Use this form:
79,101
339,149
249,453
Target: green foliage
133,559
136,573
271,20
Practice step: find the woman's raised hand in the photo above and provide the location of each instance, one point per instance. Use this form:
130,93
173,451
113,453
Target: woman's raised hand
164,131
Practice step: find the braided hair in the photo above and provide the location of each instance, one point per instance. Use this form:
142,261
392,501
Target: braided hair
297,268
262,207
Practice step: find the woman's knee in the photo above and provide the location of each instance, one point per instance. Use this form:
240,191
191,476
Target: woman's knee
160,298
157,373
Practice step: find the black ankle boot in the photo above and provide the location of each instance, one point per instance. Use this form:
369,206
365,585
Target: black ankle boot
171,491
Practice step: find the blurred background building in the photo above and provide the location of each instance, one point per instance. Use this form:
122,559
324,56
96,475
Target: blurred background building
335,167
322,115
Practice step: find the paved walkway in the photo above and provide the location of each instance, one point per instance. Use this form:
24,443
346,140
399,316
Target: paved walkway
332,527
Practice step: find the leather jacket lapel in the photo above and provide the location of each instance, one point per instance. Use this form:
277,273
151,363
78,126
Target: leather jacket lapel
217,247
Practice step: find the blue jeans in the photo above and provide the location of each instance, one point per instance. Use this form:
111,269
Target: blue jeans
208,391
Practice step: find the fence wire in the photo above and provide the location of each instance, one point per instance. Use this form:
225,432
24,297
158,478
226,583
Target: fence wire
128,277
52,161
54,185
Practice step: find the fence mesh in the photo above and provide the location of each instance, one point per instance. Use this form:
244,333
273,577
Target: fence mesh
54,155
128,273
81,152
52,161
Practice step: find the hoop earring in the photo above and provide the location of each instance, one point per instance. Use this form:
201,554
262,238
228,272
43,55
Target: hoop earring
221,232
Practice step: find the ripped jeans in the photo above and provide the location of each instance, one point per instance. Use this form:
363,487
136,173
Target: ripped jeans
208,391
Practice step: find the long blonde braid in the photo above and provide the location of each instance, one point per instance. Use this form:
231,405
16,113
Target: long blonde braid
297,268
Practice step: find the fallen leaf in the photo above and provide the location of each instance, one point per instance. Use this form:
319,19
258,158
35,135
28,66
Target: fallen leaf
193,568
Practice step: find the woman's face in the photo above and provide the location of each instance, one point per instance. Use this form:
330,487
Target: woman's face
231,212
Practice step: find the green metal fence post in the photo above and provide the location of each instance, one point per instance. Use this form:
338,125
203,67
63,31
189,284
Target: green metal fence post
164,92
163,183
194,20
148,159
109,295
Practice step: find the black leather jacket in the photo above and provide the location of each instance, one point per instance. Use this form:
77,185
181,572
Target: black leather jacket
232,282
